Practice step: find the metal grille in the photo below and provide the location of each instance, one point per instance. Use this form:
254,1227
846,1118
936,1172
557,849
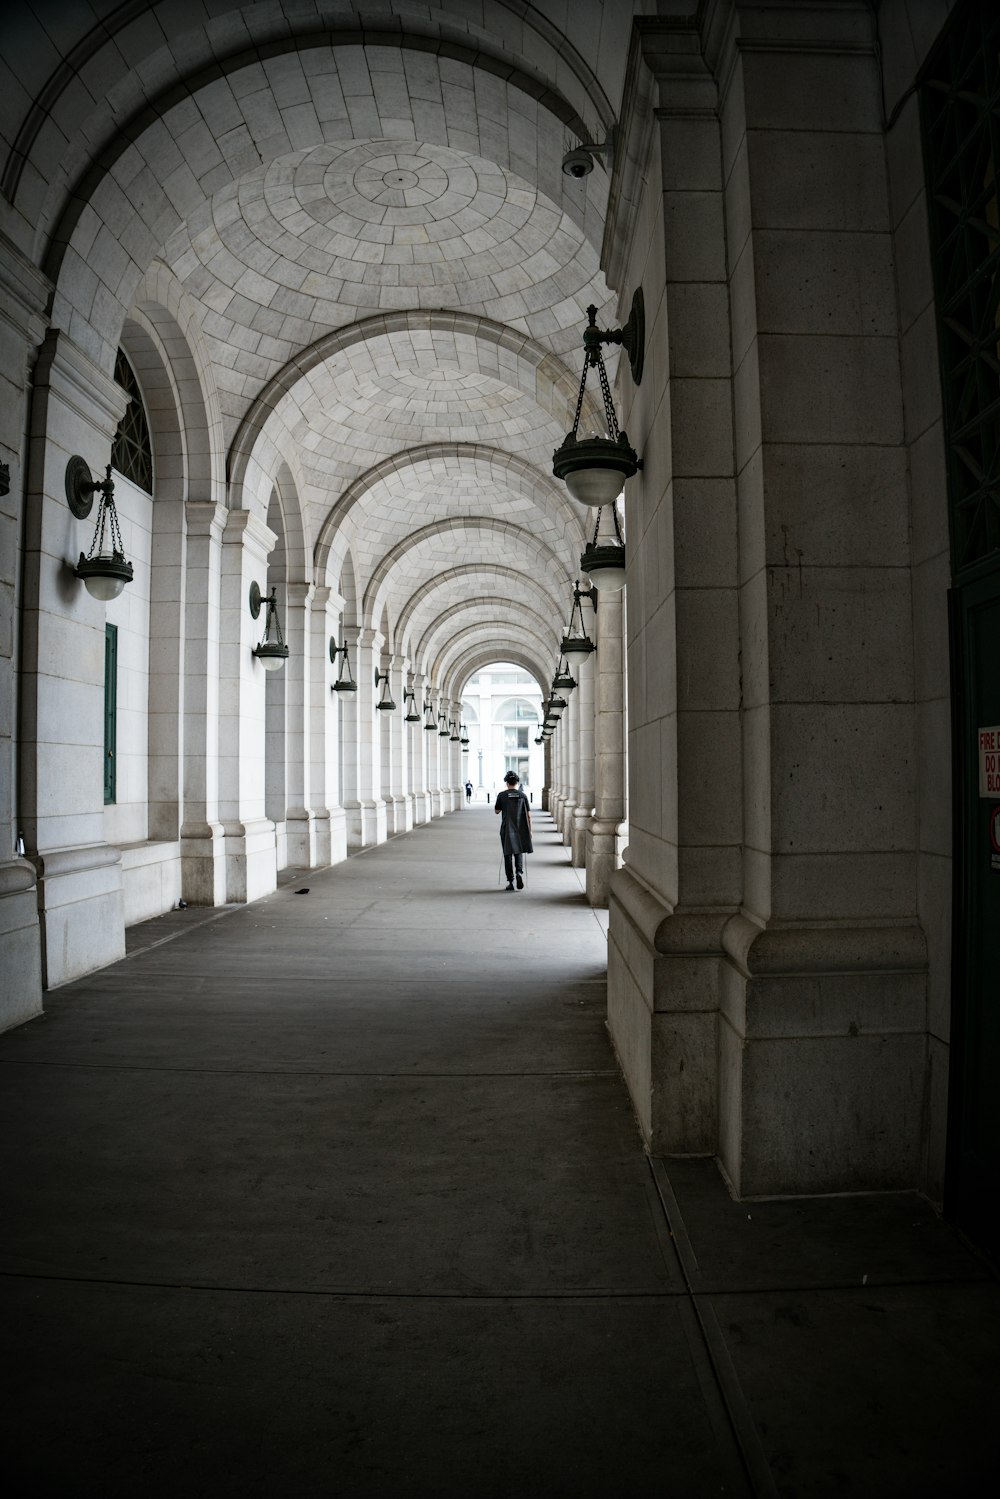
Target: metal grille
960,112
132,450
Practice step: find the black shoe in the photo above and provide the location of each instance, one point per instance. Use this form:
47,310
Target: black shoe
510,887
520,882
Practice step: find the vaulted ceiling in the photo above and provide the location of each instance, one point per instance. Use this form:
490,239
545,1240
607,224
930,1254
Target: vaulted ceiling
385,268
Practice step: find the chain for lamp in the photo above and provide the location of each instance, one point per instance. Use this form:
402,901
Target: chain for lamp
594,358
106,513
618,532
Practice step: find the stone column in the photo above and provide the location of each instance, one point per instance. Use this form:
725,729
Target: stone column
569,732
609,752
822,1041
402,805
24,293
326,813
435,757
301,833
584,810
682,879
418,755
203,864
250,850
366,817
75,409
349,738
457,778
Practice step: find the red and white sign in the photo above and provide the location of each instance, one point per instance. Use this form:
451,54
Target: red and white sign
989,762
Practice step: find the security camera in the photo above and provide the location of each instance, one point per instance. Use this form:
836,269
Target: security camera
578,163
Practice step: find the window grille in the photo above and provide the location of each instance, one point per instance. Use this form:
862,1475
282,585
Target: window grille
132,450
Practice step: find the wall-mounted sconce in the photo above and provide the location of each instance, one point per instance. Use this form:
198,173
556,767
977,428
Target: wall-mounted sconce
409,696
272,652
465,735
454,731
604,557
345,682
595,468
556,705
385,703
443,729
105,569
430,727
578,642
562,681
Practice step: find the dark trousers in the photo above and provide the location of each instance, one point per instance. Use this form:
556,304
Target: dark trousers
508,864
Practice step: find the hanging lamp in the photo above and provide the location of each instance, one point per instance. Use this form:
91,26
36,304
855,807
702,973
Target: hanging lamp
385,703
562,681
579,644
345,682
105,570
595,468
443,729
604,557
409,696
429,725
271,652
465,735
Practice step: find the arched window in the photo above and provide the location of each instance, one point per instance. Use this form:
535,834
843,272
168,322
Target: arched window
517,710
132,450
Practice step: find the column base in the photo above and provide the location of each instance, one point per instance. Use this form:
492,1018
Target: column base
421,808
566,821
663,986
301,839
823,1058
436,803
402,814
203,864
338,835
82,911
366,825
251,859
20,944
601,859
579,829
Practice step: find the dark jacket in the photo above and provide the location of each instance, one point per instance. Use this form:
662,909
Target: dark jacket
515,830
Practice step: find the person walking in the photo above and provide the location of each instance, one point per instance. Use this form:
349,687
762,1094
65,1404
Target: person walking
512,808
468,791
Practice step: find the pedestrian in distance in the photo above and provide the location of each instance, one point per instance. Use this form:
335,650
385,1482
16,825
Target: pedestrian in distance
512,808
468,791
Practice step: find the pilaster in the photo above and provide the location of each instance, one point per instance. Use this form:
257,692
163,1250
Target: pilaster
250,850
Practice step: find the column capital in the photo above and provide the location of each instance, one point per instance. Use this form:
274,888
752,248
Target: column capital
205,518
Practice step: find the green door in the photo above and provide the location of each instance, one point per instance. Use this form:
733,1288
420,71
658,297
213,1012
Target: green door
110,711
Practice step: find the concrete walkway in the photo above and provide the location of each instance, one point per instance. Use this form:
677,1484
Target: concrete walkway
340,1194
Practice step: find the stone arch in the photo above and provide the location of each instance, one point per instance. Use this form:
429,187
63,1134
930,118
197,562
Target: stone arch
94,276
163,310
477,657
537,371
480,571
211,57
490,631
542,555
499,609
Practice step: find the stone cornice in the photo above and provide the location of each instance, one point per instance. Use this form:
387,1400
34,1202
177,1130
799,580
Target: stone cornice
80,384
666,76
